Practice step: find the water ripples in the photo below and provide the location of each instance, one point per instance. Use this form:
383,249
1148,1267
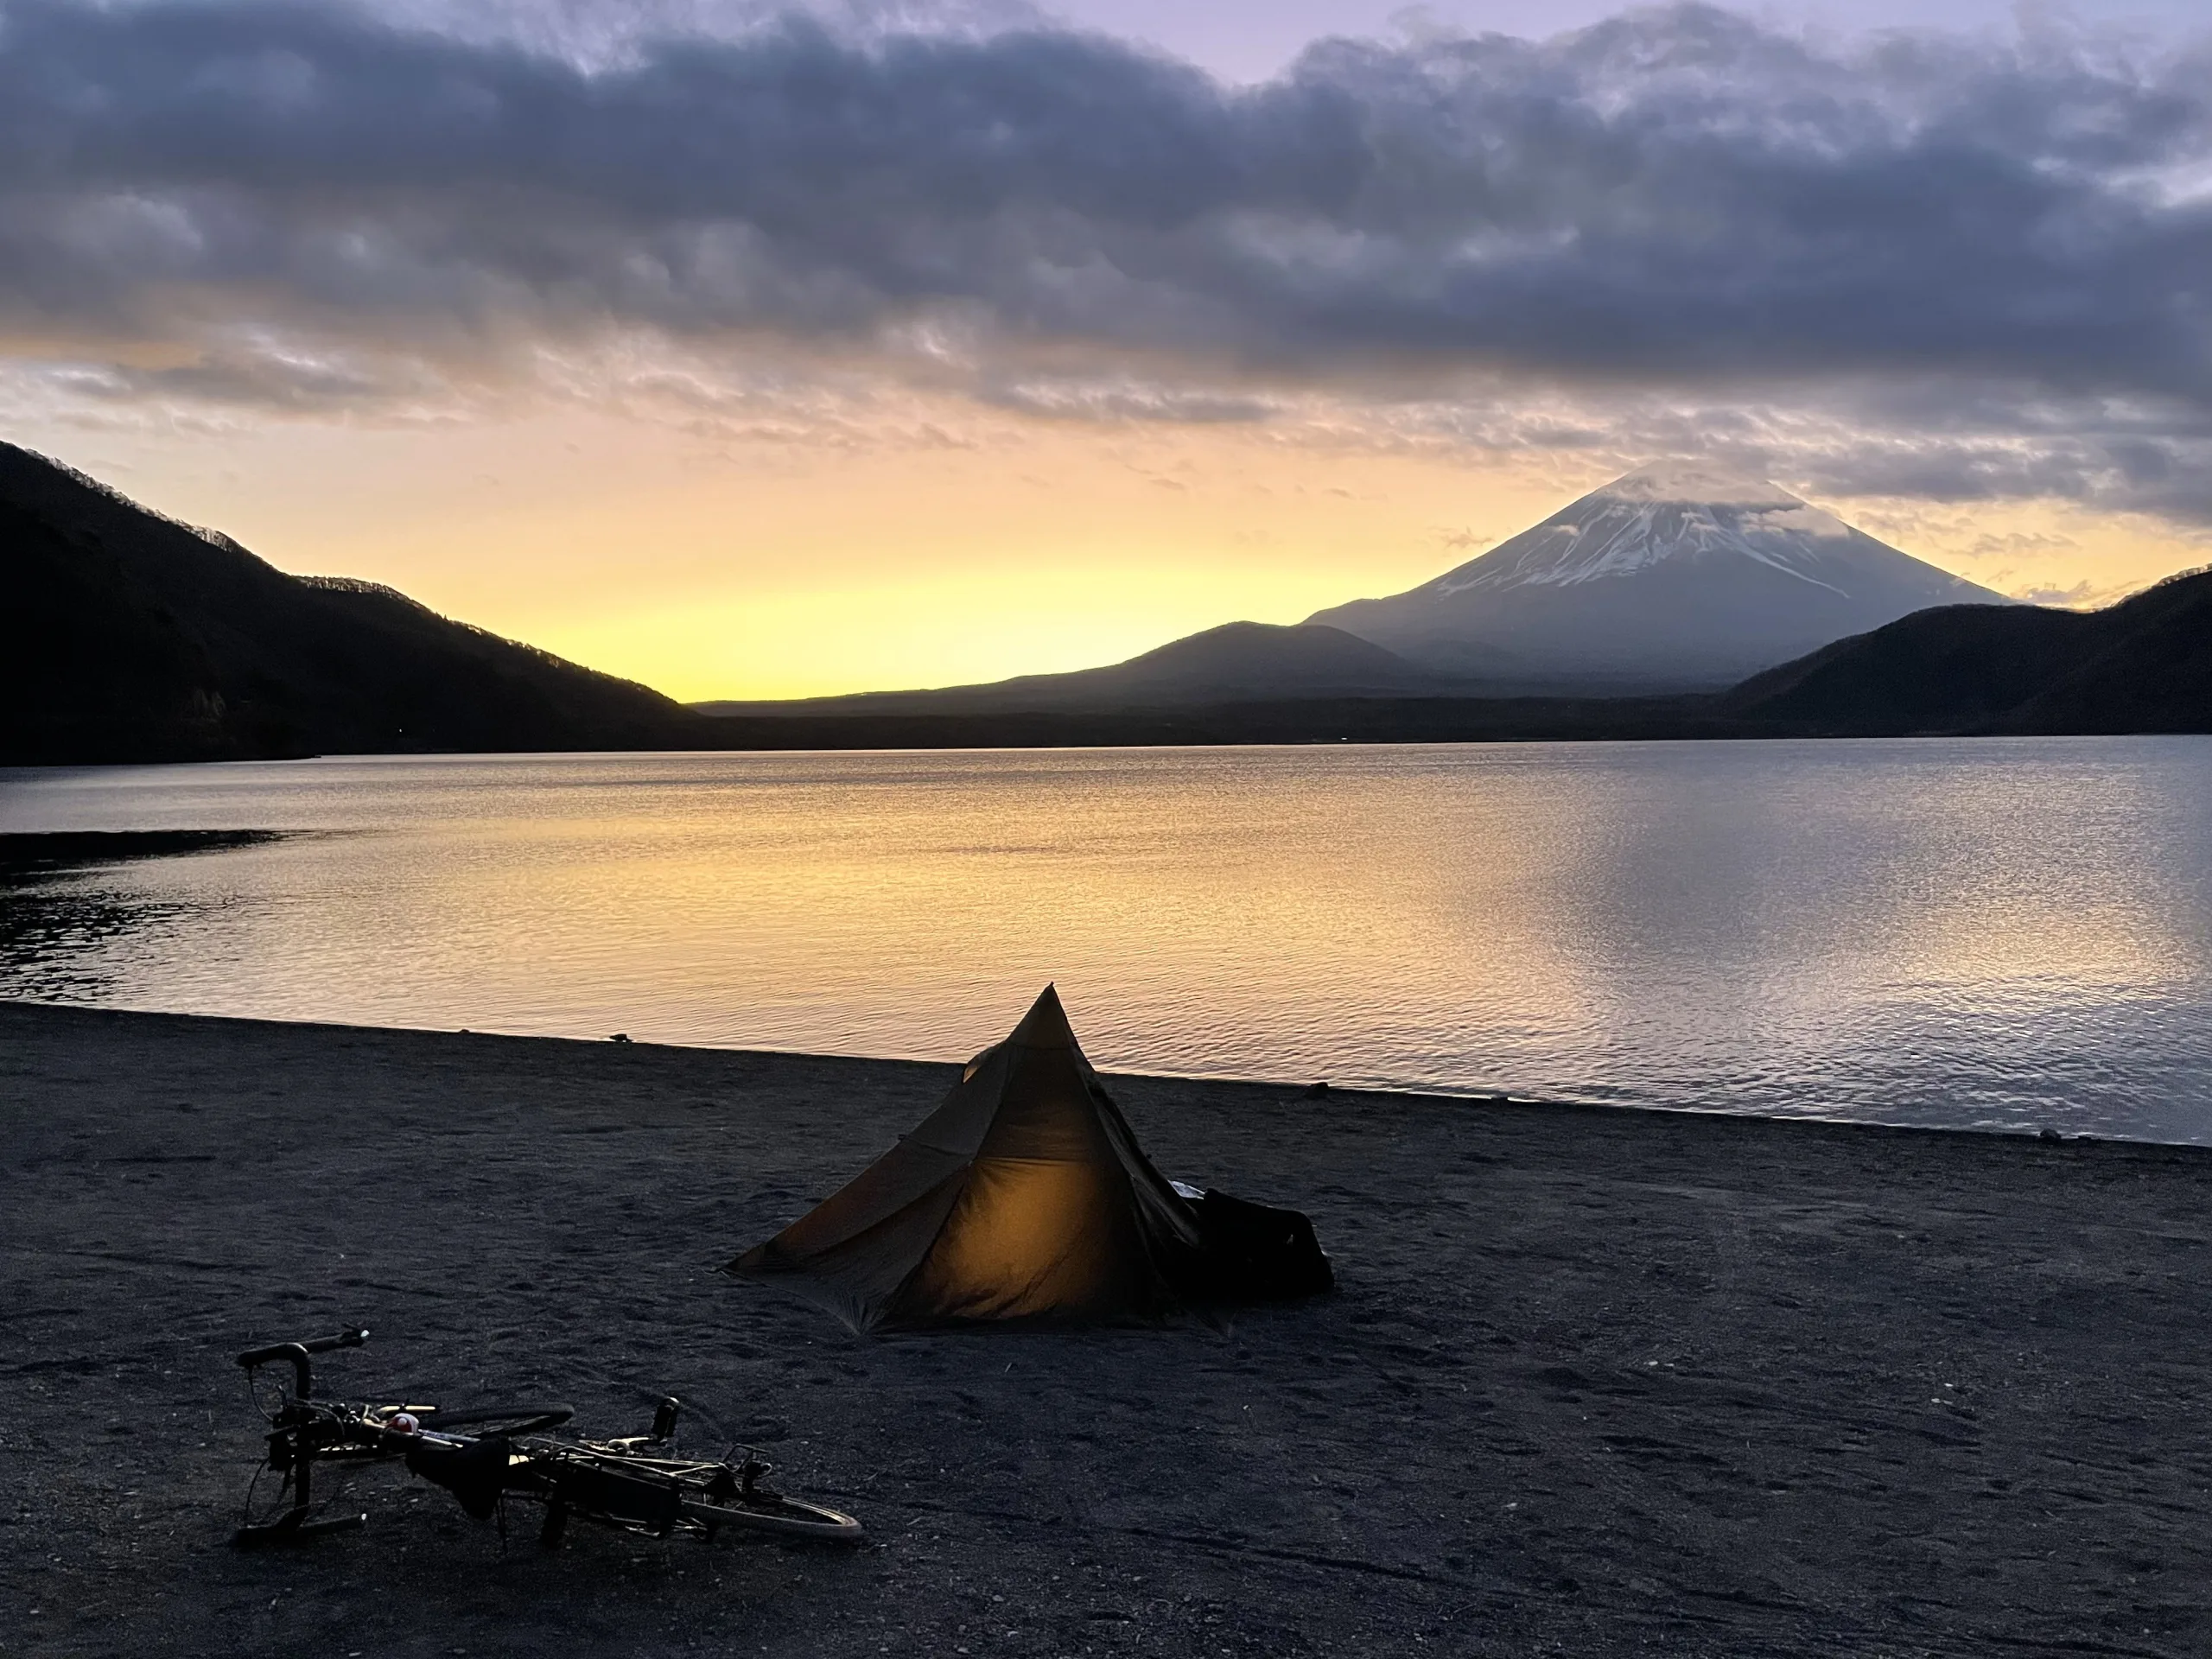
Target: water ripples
1996,933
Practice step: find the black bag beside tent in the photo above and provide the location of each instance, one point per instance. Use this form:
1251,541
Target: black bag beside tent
1252,1253
1025,1196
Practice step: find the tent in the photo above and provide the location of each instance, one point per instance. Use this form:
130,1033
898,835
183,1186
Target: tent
1025,1196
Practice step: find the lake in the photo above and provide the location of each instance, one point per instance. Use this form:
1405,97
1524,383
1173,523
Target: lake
2001,933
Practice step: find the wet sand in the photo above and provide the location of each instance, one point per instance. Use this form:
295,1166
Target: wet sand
1595,1381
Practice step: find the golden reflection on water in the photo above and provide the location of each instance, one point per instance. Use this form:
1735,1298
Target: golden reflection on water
2001,931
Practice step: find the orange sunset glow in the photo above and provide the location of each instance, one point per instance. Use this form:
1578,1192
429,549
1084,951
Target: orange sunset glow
947,546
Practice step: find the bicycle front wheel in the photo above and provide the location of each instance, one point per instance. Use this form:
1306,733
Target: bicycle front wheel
785,1517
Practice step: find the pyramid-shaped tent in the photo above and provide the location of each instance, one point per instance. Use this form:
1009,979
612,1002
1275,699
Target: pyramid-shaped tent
1023,1197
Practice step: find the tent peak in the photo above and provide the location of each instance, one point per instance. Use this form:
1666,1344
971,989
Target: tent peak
1045,1025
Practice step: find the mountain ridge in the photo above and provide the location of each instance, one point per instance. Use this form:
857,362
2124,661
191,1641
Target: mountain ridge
1232,661
126,636
2142,665
130,636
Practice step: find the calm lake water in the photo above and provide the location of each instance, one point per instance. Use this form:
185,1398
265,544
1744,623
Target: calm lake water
2002,933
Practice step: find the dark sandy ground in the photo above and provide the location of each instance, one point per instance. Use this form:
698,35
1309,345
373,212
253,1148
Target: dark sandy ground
1595,1382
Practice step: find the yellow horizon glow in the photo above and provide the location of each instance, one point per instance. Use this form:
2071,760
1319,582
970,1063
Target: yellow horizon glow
946,547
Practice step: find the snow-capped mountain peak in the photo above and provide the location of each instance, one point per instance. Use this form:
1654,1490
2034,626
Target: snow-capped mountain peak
1665,511
1682,573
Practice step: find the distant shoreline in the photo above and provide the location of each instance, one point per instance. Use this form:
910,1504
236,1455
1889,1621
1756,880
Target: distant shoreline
1284,723
803,734
1350,1096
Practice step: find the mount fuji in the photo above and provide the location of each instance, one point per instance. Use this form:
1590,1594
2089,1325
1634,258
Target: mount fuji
1676,576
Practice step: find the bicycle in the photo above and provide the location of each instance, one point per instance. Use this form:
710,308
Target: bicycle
635,1484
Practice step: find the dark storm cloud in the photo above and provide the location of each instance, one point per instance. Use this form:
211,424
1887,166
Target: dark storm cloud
1962,443
1676,197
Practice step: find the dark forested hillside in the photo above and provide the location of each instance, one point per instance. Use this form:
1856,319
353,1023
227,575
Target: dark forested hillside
2142,665
125,636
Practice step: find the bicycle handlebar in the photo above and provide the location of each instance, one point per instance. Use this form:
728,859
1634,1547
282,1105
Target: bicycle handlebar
297,1352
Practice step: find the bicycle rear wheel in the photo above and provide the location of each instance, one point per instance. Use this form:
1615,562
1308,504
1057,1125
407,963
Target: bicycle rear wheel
787,1517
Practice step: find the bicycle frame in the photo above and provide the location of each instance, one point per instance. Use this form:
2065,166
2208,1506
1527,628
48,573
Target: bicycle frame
638,1483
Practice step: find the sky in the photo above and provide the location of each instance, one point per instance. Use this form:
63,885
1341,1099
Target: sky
751,352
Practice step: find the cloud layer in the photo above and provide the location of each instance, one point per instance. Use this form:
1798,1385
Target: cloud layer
1993,261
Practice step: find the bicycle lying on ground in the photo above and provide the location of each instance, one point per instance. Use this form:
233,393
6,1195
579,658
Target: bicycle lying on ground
638,1483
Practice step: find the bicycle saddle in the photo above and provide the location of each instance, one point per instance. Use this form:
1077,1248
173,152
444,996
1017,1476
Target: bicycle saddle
475,1473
